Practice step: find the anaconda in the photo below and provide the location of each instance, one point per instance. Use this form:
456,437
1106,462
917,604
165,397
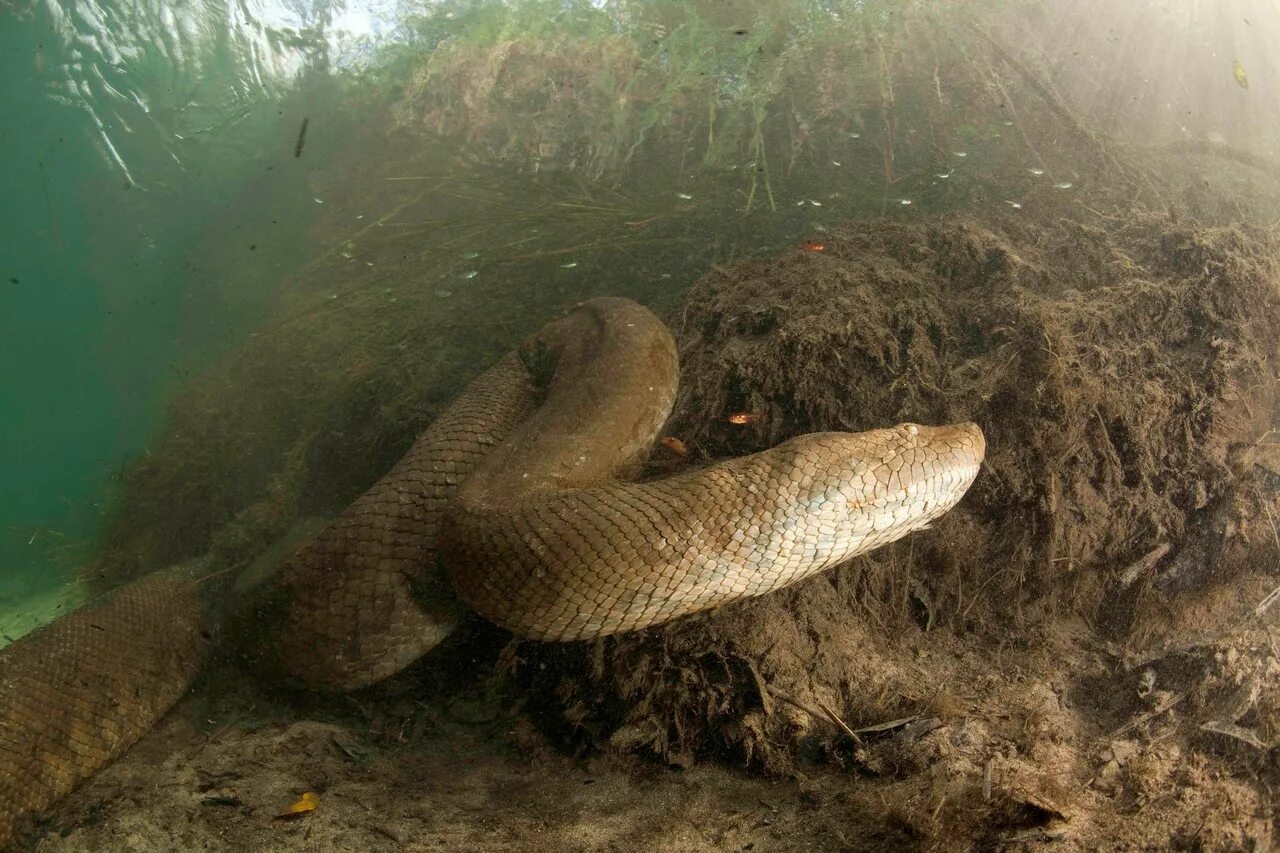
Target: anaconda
520,502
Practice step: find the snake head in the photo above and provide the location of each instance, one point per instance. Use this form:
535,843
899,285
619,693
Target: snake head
906,476
863,490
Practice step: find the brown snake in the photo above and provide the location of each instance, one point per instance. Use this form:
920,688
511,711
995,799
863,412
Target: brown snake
523,491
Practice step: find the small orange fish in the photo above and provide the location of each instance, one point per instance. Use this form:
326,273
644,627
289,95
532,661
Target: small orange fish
675,445
744,418
812,246
306,803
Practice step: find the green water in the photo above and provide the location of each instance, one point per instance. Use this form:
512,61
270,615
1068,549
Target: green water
143,150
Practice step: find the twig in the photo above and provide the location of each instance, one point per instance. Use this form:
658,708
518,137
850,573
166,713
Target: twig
1143,565
1270,598
825,712
889,726
1154,712
220,572
839,722
1265,604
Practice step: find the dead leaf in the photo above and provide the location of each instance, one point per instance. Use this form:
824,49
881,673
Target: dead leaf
306,803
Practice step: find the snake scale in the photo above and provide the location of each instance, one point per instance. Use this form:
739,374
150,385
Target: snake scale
524,491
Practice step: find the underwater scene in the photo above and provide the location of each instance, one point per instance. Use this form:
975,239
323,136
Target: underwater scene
629,425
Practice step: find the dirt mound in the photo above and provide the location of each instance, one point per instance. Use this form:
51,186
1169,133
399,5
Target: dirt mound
1124,372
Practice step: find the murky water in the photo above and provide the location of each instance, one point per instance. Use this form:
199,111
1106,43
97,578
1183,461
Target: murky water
137,139
180,177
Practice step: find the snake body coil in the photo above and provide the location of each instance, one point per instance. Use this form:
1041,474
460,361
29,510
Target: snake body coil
548,539
523,490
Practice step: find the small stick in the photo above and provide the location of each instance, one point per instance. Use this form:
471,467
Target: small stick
1142,718
1143,565
1271,597
1265,604
839,722
889,726
825,712
302,138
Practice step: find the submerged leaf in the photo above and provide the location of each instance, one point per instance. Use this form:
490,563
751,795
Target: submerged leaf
306,803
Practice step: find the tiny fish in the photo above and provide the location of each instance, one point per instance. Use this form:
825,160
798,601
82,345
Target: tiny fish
1036,172
961,153
1237,70
744,418
684,196
306,803
942,175
569,265
1015,205
1065,185
904,201
812,246
855,136
675,445
472,274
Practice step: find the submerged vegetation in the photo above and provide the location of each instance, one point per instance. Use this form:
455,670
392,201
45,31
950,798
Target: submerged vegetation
878,98
521,156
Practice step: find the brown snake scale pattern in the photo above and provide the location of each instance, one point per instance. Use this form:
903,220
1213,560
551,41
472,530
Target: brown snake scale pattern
524,491
363,600
589,563
77,692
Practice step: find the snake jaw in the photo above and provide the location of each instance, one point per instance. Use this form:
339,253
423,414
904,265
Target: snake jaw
858,491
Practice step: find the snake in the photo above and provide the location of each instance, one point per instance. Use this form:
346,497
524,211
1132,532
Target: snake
524,502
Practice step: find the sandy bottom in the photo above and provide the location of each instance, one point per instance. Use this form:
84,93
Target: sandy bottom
21,614
466,776
1058,745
